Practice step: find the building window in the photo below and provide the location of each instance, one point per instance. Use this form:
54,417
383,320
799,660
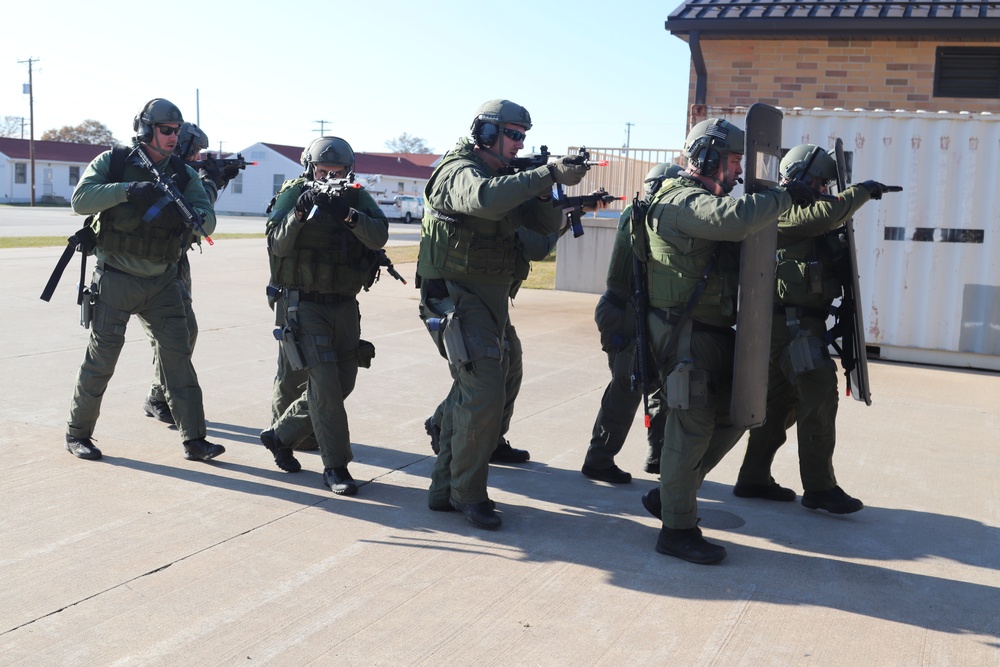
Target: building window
74,176
400,188
967,72
20,172
257,156
278,180
238,184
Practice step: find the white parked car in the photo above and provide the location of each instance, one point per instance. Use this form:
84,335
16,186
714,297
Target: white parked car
409,207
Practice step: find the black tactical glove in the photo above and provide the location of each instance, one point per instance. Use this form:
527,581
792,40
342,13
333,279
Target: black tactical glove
874,188
801,194
305,202
142,192
210,171
568,170
336,207
229,173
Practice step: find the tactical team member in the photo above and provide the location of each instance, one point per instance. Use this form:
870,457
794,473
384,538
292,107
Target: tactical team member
191,140
533,247
136,274
466,269
802,378
321,247
615,317
692,229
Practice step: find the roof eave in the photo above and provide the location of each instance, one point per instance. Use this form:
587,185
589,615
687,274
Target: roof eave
950,28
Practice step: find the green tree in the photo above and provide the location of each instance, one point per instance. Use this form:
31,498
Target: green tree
405,143
88,132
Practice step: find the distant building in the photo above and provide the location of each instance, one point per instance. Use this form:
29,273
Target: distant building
384,175
58,168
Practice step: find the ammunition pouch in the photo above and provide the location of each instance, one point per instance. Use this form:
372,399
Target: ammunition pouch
688,387
806,352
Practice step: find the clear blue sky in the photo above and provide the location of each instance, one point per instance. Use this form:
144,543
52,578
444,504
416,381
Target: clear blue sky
373,69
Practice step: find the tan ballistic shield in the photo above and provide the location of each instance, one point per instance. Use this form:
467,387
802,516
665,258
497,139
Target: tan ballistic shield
757,264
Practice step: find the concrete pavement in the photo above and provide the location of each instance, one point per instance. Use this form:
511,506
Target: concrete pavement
145,558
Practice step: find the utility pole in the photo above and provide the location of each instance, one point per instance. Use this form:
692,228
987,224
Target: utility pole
628,161
322,127
31,113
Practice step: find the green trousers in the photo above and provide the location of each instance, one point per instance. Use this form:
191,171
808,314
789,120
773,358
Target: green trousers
478,396
159,307
156,389
289,386
619,403
321,406
694,439
811,399
513,363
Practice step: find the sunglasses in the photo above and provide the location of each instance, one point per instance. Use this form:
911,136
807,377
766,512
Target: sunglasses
166,130
516,135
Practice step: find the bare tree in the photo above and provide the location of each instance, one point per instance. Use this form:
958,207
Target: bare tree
87,132
13,126
405,143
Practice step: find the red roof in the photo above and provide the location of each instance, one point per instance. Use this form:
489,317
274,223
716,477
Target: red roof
50,151
421,159
391,164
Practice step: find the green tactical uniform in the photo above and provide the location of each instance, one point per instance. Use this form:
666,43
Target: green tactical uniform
136,275
535,247
469,263
687,226
807,284
615,317
157,391
323,264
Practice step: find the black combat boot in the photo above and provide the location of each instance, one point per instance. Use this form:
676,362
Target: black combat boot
834,501
82,448
200,449
772,491
688,544
158,410
479,514
504,453
283,457
340,481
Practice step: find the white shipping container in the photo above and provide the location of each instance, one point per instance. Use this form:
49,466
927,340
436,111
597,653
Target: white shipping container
928,257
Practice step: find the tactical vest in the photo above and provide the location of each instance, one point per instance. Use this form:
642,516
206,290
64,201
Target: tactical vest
121,229
676,262
464,244
328,258
807,271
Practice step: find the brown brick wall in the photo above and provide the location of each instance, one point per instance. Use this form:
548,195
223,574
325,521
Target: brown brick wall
829,73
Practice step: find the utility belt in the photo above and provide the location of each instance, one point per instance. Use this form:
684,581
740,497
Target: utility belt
325,299
672,317
303,351
687,385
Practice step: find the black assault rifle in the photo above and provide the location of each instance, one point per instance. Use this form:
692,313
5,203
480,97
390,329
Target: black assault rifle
582,157
640,303
329,188
575,205
220,163
379,260
171,195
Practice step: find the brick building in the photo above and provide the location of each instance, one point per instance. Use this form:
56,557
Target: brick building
932,55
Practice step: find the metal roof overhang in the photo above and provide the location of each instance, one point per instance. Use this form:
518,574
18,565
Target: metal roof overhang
882,28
